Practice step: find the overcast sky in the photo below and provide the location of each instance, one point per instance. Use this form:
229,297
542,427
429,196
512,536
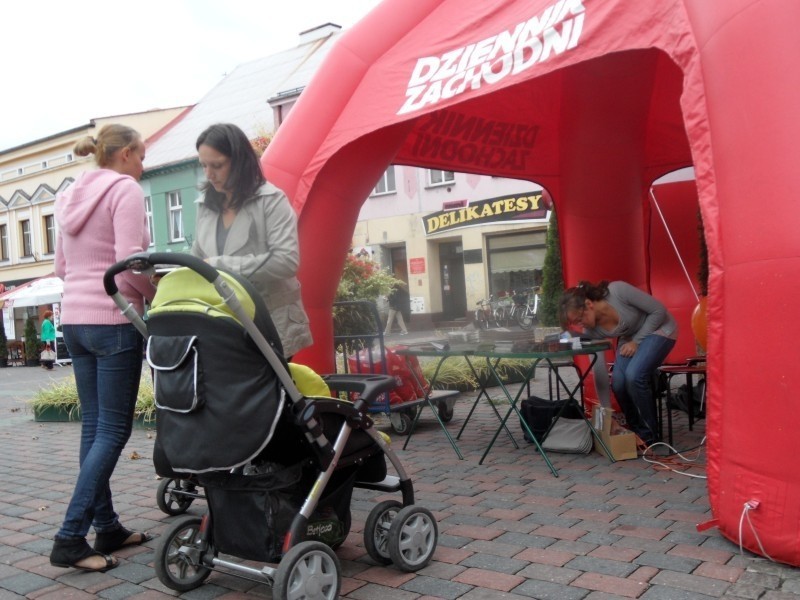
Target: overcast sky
65,63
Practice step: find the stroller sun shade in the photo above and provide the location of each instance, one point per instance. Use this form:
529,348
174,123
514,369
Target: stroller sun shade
218,400
185,290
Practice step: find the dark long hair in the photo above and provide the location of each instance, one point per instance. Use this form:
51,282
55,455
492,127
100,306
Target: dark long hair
245,175
575,298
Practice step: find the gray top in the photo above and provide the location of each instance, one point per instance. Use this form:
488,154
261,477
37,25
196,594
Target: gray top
639,315
262,246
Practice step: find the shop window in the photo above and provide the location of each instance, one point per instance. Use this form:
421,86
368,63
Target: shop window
148,210
49,223
386,184
175,205
4,242
438,177
515,262
26,238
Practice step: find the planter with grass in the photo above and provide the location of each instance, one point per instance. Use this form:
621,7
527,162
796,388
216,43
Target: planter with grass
59,403
455,374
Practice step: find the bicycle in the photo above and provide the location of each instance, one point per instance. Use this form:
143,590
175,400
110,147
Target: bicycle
503,311
485,313
518,303
529,315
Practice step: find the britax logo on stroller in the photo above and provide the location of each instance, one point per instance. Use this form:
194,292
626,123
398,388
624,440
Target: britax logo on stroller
278,466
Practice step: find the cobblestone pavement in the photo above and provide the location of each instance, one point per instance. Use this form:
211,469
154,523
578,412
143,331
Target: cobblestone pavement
508,529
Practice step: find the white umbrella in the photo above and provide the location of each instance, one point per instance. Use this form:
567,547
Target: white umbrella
45,290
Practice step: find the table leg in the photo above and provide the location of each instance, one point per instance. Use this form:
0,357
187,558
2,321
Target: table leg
483,392
602,385
669,410
513,409
432,406
665,389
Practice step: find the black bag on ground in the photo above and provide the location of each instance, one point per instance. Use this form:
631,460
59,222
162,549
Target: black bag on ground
540,412
678,399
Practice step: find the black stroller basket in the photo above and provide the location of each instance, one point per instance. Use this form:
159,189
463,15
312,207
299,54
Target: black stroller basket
274,461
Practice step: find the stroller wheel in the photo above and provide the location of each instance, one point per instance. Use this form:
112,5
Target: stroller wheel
170,498
308,570
177,569
445,411
401,422
412,538
376,530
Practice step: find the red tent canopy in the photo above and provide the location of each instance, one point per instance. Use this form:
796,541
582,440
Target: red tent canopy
593,100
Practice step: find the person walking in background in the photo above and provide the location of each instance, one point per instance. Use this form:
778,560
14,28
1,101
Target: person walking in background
48,337
399,305
646,333
101,220
247,226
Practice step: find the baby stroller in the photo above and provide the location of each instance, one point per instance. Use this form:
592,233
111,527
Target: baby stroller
278,467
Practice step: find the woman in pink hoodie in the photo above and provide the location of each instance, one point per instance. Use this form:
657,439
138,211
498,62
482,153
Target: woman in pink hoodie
101,220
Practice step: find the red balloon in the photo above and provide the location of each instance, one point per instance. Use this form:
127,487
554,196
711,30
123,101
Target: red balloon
700,324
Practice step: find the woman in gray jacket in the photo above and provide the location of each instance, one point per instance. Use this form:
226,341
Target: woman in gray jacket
646,333
247,226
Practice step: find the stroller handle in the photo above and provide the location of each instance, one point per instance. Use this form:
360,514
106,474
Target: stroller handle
142,261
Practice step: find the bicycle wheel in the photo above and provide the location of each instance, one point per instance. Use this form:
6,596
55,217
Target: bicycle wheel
526,318
500,317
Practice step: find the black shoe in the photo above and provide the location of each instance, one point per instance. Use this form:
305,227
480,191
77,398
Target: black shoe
67,552
109,541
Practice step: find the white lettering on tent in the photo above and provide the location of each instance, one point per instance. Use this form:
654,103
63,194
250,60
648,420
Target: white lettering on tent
488,61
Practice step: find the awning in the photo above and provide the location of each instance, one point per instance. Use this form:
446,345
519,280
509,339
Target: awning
44,290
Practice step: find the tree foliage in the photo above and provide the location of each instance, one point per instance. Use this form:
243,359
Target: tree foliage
361,279
32,348
552,276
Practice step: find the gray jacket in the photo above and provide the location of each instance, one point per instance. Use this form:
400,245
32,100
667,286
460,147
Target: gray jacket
640,315
262,246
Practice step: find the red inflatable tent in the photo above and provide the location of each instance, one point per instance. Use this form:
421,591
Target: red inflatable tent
594,100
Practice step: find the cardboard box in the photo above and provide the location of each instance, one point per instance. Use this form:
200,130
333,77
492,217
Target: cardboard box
622,445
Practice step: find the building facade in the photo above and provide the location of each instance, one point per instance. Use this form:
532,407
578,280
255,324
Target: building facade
30,177
455,238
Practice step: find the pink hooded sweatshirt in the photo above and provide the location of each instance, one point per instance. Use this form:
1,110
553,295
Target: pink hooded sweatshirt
101,220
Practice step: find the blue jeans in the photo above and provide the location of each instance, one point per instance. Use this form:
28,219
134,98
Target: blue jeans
632,383
107,361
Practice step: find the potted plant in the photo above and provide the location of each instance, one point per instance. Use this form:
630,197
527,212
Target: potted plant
32,346
3,344
553,277
59,402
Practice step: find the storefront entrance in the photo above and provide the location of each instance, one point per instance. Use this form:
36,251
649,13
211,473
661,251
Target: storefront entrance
454,289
